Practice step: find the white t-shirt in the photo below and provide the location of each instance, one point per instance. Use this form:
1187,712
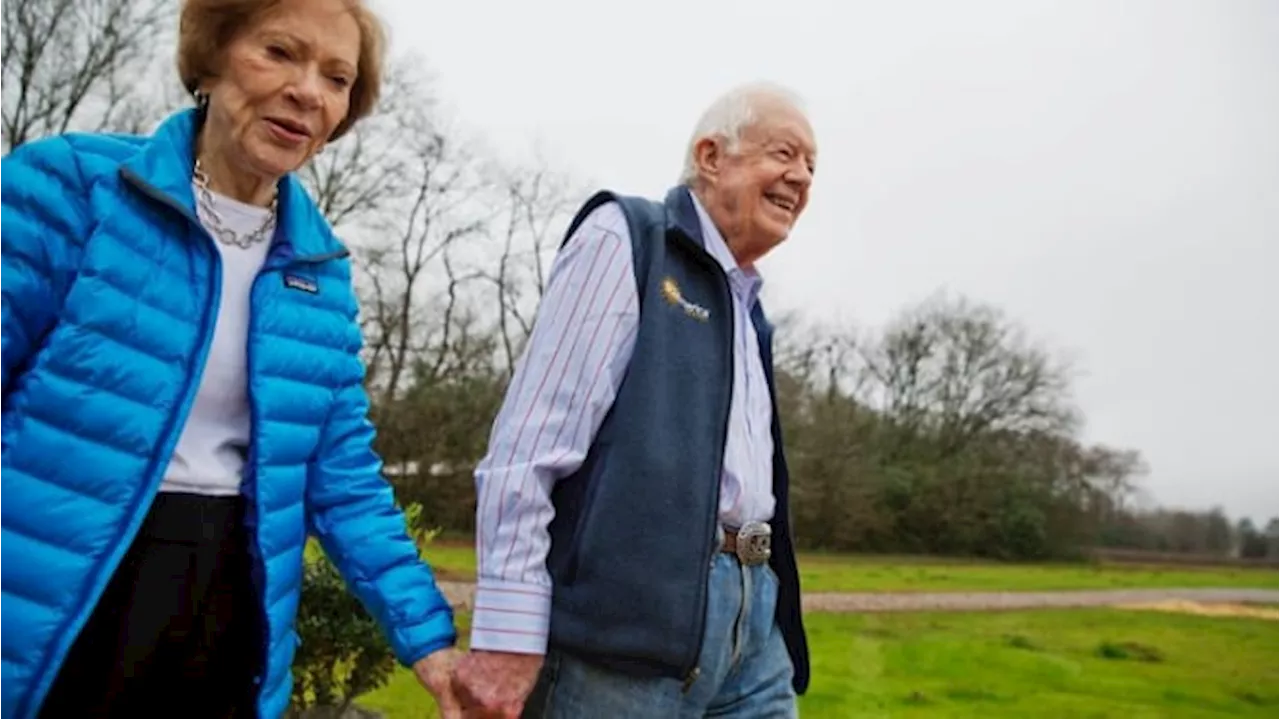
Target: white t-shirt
210,455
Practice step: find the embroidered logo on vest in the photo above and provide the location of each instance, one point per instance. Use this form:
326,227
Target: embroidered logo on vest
671,292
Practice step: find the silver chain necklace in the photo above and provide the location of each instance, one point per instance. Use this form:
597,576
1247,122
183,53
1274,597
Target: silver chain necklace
226,235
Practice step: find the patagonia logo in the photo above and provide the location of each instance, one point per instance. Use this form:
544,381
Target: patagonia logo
671,292
298,282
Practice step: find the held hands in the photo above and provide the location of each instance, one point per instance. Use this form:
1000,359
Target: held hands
435,672
479,684
494,685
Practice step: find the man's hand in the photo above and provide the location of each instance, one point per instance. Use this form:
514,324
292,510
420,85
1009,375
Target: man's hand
435,672
494,685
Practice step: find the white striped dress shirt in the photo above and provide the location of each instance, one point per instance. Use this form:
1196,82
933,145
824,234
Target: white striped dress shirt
562,388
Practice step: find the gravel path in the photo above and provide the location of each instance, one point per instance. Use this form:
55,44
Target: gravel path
460,594
970,601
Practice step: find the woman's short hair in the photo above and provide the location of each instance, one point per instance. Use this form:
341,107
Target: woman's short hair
206,27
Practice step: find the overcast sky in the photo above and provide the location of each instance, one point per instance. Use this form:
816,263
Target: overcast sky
1103,170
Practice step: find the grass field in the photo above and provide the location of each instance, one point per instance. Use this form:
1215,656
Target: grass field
854,573
1044,664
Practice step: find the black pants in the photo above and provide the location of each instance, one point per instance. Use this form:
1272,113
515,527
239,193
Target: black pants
177,631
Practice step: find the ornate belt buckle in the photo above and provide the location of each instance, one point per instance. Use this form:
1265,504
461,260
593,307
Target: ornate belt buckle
754,543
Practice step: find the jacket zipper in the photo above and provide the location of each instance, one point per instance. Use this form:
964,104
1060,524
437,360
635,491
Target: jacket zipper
250,487
131,529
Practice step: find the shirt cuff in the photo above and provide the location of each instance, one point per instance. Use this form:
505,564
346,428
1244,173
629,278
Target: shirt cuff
510,617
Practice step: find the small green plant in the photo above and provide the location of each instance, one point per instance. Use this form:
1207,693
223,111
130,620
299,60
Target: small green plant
343,653
1018,641
418,530
917,697
1129,651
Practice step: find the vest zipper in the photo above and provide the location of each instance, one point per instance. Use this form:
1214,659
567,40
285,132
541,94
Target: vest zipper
692,671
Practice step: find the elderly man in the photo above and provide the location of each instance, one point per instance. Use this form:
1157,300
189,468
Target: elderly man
635,554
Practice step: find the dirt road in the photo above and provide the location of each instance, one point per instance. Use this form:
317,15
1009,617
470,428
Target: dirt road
972,601
461,593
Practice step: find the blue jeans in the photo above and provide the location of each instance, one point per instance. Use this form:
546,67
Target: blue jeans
745,670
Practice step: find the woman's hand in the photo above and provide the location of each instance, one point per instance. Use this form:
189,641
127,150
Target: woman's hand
495,685
435,672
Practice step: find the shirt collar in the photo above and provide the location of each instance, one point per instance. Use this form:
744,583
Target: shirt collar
745,281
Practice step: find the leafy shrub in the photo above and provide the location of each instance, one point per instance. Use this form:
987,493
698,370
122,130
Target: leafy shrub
343,652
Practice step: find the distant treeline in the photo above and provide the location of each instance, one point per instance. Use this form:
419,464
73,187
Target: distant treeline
947,432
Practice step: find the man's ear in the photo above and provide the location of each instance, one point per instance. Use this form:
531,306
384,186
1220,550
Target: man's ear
708,157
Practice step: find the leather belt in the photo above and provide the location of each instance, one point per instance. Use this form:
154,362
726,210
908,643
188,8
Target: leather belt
751,543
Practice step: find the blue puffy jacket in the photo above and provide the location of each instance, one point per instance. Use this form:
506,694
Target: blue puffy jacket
109,286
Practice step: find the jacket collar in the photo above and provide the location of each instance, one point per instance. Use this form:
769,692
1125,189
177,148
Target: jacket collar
164,168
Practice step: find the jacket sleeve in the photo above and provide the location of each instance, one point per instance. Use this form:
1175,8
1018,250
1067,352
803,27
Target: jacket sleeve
352,511
44,220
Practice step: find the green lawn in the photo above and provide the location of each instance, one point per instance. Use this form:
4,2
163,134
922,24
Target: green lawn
867,573
1073,663
1044,664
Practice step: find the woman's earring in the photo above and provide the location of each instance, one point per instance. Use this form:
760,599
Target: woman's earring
202,101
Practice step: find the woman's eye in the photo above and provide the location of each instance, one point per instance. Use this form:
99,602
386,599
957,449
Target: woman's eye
340,81
277,51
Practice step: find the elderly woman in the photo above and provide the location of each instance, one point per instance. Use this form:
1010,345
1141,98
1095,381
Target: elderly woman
183,396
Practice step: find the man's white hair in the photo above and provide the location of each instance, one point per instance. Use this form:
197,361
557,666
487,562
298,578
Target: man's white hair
731,114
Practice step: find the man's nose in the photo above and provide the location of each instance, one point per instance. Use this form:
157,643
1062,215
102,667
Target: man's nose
799,175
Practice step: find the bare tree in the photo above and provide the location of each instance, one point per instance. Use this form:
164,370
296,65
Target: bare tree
536,206
1112,474
360,183
75,64
400,189
959,369
432,199
436,220
824,355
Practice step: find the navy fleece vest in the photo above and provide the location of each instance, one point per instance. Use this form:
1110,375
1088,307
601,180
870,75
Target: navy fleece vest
635,526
